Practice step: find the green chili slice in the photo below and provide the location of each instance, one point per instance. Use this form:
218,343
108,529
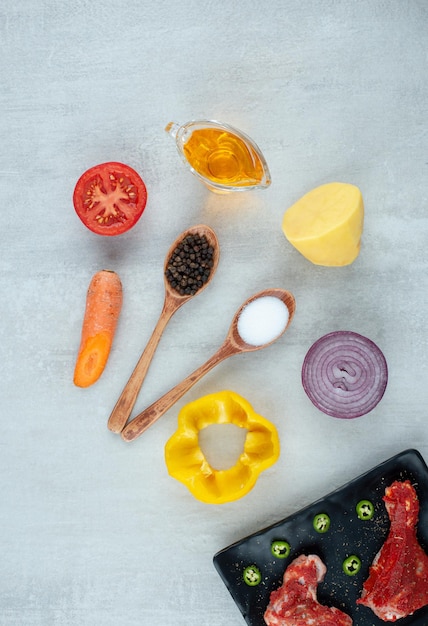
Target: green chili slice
321,522
252,575
365,509
280,549
351,565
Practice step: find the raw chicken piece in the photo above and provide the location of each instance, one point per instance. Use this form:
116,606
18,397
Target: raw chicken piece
295,602
398,578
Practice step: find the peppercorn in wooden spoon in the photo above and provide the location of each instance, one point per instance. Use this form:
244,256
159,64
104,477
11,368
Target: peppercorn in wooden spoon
259,321
189,266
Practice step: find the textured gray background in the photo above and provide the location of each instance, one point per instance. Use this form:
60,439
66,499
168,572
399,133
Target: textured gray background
93,531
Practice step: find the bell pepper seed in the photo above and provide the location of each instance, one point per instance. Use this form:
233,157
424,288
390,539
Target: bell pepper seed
321,522
280,549
252,575
365,509
352,565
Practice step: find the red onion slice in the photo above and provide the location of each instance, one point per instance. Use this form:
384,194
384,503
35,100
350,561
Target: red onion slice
344,374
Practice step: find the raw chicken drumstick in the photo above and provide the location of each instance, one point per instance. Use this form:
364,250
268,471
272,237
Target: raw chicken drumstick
295,602
397,584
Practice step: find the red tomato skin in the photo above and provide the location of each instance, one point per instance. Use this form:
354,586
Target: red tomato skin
110,198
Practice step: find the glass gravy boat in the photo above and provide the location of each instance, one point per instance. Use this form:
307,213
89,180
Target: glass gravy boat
222,157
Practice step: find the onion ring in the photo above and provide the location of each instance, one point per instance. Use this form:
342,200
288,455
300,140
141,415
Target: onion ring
344,374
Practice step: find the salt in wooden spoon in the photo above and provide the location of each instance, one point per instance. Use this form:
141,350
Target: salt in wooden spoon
172,302
233,344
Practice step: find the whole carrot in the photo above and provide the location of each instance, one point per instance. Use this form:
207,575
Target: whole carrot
103,305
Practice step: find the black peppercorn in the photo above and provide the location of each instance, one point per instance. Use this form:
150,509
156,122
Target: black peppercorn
189,266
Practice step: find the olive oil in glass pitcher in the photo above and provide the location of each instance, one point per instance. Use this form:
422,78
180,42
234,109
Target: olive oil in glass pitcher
222,157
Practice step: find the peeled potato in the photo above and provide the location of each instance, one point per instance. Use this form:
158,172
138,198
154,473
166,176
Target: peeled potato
326,224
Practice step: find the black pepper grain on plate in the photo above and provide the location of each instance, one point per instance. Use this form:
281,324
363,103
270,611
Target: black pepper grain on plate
189,266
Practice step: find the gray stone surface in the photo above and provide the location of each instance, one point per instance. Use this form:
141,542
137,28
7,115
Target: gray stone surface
93,531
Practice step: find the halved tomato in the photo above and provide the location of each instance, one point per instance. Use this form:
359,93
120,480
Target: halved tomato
110,198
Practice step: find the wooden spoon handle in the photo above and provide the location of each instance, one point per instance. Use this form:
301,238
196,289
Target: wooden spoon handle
149,416
123,407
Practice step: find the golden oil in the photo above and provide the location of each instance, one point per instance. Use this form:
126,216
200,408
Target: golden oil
224,158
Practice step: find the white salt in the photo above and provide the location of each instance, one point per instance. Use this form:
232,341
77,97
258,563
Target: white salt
262,320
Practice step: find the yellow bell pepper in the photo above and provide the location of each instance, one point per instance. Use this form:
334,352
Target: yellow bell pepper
187,463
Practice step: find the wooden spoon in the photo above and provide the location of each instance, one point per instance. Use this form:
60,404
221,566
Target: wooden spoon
233,344
172,302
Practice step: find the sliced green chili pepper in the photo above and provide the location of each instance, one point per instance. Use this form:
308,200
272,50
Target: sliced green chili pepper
321,522
252,575
351,565
280,549
365,509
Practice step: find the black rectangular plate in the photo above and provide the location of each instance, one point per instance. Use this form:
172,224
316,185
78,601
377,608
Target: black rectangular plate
347,535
